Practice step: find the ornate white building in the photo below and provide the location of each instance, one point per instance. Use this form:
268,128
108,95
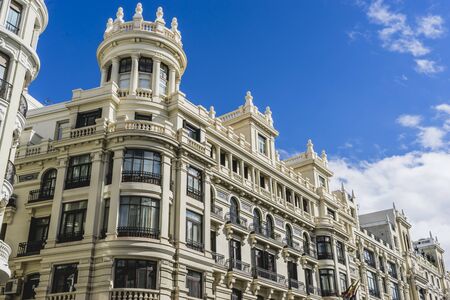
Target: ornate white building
21,23
130,191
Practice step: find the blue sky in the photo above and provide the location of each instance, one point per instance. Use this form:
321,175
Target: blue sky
367,80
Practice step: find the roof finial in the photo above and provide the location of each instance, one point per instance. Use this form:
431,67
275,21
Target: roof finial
393,206
342,187
324,156
353,194
138,11
309,147
212,112
160,15
119,15
248,99
174,24
109,25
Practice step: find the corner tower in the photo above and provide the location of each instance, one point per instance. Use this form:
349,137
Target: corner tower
144,58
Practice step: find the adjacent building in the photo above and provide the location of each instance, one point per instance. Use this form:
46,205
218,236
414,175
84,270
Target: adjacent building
131,191
21,23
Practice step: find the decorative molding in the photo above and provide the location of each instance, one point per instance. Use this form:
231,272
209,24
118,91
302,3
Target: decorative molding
28,177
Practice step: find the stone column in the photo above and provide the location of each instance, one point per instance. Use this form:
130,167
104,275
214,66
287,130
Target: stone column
230,163
103,76
207,213
165,201
180,201
218,156
114,201
172,78
94,198
156,75
165,284
57,202
134,77
115,70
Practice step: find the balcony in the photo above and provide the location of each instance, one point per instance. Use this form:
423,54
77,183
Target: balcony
217,212
141,176
10,173
13,28
310,252
30,248
259,273
296,285
239,266
262,233
194,193
5,90
41,195
70,237
195,245
78,182
235,224
328,293
219,259
5,252
134,294
311,290
62,296
23,106
143,232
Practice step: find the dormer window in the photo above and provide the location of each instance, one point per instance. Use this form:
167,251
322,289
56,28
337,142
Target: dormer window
163,79
14,16
124,73
262,144
145,72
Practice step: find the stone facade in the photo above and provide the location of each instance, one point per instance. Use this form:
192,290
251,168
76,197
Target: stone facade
21,23
130,191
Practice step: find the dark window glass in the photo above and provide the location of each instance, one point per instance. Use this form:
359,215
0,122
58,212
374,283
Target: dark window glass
142,117
292,275
31,283
340,251
343,281
72,221
64,278
124,73
270,228
3,231
135,274
213,239
235,255
48,183
109,170
145,65
324,249
108,73
163,78
381,264
139,216
236,294
306,244
394,291
331,213
194,284
194,230
262,144
392,269
309,281
372,284
223,158
88,118
305,205
4,64
289,238
327,282
141,166
264,261
105,219
125,65
234,211
14,16
192,131
79,171
369,258
38,229
194,183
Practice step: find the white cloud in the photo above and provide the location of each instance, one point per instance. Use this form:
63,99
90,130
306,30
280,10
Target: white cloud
428,67
409,120
444,107
431,26
417,182
432,137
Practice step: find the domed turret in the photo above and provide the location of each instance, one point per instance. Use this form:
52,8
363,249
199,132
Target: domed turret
142,56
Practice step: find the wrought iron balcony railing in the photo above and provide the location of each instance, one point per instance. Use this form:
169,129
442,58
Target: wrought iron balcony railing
195,245
266,274
10,172
141,176
13,28
294,284
235,264
236,220
133,231
30,248
78,182
70,236
41,194
5,90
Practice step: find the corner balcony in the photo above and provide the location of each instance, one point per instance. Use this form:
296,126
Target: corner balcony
5,252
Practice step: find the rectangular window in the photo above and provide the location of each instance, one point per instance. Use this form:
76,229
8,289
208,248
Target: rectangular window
64,278
72,221
194,283
331,213
60,125
36,237
327,282
372,284
139,217
142,117
109,170
343,281
141,166
135,274
324,249
265,264
322,182
292,275
3,231
305,203
88,118
234,165
309,281
392,269
223,159
236,294
381,264
262,144
192,131
235,255
124,73
79,171
105,219
163,79
145,72
194,183
340,251
194,231
246,172
369,258
14,17
213,239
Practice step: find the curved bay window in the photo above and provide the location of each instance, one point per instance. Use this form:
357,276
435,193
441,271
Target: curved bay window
48,184
324,250
124,73
163,78
139,217
327,282
194,183
79,171
135,274
289,237
145,72
141,166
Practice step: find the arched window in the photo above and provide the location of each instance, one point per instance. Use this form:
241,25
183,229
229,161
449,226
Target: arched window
124,73
306,244
145,72
163,79
257,226
270,227
48,183
234,211
289,239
